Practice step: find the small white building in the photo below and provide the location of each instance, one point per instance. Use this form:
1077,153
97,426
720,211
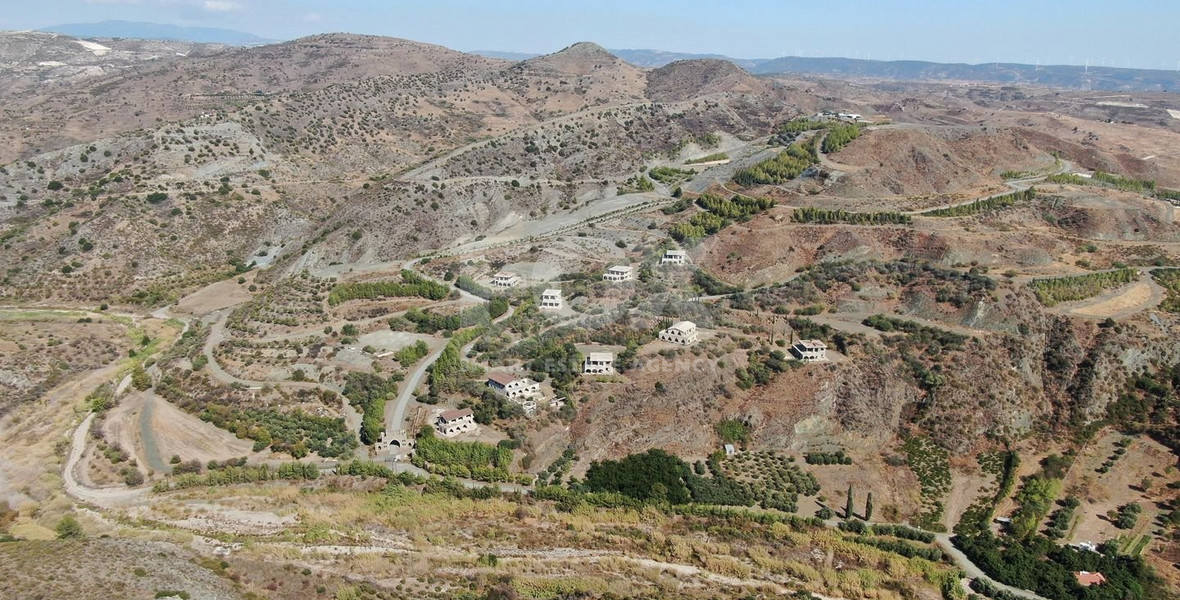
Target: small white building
810,350
551,300
513,387
505,280
674,257
849,117
599,363
619,273
454,422
683,333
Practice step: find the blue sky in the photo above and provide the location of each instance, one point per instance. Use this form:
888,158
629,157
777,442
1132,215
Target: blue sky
1133,33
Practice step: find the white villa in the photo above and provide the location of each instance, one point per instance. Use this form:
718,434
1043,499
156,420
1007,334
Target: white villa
454,422
551,300
674,257
619,273
599,363
512,387
683,333
810,350
505,280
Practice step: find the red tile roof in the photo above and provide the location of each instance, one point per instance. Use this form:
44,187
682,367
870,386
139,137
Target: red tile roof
1087,579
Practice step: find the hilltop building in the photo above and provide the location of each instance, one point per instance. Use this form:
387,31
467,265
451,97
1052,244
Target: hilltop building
599,363
454,422
810,350
512,387
551,300
683,333
674,257
505,280
619,273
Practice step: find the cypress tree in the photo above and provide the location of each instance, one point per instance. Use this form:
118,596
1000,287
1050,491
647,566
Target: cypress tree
848,506
869,507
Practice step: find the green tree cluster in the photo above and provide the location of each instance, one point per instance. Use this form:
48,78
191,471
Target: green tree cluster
1054,290
824,216
788,165
838,136
368,393
983,204
411,284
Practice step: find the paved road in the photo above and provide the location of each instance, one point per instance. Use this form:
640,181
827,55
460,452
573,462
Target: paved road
395,417
395,413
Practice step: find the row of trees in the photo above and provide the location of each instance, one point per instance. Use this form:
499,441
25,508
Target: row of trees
824,216
296,471
800,125
1169,279
428,321
471,286
1128,184
1079,287
411,284
983,204
827,458
737,208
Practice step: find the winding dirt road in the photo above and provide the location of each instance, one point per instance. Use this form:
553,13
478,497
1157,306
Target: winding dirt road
102,497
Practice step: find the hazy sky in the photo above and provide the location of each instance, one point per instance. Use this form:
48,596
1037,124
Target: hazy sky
1135,33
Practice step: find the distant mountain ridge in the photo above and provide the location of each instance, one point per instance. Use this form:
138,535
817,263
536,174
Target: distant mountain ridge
158,31
1067,76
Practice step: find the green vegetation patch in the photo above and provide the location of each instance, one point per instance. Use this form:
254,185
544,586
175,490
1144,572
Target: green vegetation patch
295,433
933,338
789,164
290,471
839,134
474,460
669,175
411,284
823,216
716,156
368,393
931,465
1055,290
1148,405
1169,279
718,213
982,205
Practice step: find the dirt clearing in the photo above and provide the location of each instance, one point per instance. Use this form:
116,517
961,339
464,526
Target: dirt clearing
1122,302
